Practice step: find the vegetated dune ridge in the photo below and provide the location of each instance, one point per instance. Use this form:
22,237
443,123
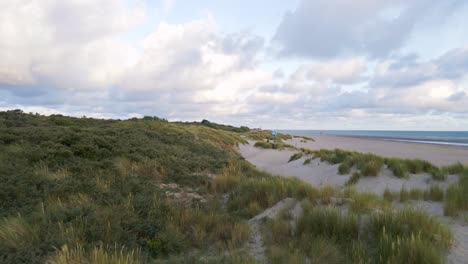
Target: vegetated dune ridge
436,154
321,174
318,173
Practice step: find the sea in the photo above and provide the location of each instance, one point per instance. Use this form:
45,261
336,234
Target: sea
454,138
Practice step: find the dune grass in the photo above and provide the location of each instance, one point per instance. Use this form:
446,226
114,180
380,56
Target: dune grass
456,196
296,156
368,164
256,191
272,145
262,135
354,178
328,235
97,255
371,165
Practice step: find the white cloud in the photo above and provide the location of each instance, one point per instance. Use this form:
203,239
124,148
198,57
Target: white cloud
64,43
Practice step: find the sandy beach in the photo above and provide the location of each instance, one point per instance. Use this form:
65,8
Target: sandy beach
436,154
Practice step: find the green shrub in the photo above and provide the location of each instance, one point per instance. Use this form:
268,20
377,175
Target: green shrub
344,168
307,161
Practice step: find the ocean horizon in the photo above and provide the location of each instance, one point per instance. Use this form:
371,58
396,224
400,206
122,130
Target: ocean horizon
453,138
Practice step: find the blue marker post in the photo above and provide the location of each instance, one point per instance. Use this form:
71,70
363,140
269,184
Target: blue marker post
274,133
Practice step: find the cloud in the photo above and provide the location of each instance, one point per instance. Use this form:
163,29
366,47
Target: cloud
408,71
70,44
331,28
338,71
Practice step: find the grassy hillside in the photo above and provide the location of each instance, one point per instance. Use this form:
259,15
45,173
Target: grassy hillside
81,190
96,184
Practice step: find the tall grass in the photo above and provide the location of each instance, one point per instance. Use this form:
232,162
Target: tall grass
272,145
252,191
328,222
328,235
370,164
296,156
97,255
456,196
409,222
16,233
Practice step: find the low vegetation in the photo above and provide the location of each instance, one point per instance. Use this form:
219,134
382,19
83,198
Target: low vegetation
262,135
272,145
296,156
371,165
456,197
82,190
328,235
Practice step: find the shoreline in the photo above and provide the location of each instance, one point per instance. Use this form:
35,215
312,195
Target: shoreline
456,144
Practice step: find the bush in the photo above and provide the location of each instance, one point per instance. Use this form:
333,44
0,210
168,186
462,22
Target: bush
344,168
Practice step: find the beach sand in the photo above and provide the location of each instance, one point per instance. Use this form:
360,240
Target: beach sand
436,154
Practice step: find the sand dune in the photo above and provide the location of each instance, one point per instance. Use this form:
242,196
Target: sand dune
320,173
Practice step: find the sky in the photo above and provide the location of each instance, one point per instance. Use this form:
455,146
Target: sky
300,64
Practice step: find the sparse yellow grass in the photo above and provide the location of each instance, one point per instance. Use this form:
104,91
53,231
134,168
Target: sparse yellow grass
98,255
16,233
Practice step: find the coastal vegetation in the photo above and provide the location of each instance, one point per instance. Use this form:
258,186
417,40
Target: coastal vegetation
325,234
456,197
83,190
272,145
370,165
